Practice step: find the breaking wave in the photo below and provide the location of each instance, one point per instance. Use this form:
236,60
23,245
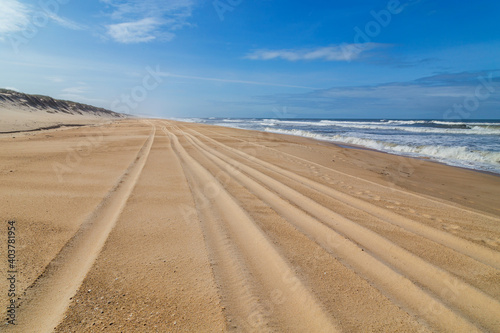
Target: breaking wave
459,156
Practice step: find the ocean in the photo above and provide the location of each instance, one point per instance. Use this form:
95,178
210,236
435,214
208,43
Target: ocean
473,144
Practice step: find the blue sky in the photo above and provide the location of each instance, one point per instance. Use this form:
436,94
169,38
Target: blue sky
269,58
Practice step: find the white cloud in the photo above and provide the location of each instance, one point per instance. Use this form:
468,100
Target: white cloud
125,8
343,52
14,16
66,23
75,90
147,20
82,99
432,96
55,79
79,93
141,31
234,81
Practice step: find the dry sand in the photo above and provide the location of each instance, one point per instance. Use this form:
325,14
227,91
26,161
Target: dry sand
161,226
13,120
23,112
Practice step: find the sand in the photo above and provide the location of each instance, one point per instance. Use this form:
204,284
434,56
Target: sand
160,226
14,120
21,112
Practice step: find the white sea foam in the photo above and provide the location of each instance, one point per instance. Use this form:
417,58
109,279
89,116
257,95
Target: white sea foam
233,120
474,145
390,125
274,122
474,130
471,129
439,122
459,156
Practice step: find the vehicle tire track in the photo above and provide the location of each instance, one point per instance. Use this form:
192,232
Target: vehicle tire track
477,306
50,295
303,310
234,279
343,174
479,253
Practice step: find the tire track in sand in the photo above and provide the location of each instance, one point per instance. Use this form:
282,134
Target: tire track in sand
343,174
477,306
479,253
304,312
50,295
243,309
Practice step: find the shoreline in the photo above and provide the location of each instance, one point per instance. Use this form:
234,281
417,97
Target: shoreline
353,146
335,143
93,122
399,170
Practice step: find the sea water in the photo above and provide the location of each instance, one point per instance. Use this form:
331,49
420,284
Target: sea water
473,144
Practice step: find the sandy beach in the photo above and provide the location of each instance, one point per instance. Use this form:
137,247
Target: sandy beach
148,225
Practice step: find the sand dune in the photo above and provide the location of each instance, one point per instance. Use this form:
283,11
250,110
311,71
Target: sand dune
23,112
158,226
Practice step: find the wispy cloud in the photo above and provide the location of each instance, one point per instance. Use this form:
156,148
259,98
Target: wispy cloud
147,20
66,23
431,95
235,81
14,16
141,31
12,88
55,79
82,99
343,52
75,90
79,93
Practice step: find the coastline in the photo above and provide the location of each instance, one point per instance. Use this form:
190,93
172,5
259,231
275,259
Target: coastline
469,144
222,226
430,169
